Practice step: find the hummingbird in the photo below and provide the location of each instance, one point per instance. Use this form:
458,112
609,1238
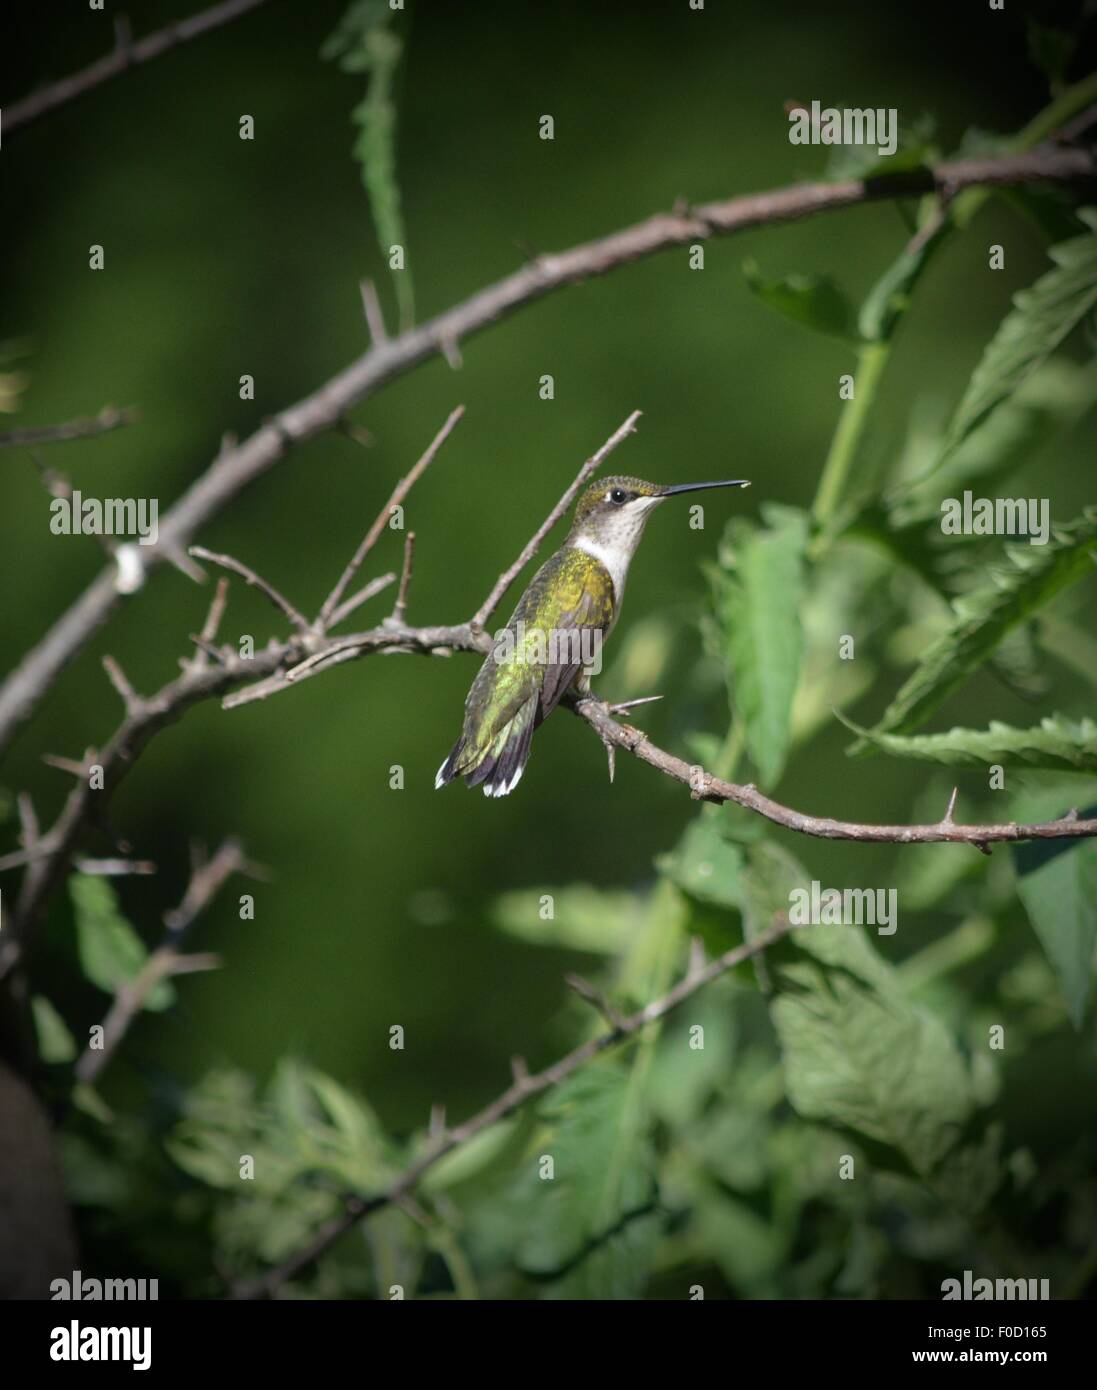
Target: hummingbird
555,633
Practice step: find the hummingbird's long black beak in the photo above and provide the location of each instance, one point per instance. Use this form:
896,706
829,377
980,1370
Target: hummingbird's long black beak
697,487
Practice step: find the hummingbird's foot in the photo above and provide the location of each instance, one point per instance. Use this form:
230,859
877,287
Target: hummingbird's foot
586,695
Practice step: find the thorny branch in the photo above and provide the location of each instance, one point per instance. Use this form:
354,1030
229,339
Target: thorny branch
125,54
240,463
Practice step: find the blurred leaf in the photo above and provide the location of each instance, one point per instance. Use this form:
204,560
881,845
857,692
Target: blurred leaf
592,1225
772,874
683,1075
471,1159
760,613
1049,208
915,148
705,863
816,301
1031,579
747,1247
364,41
889,298
584,918
111,952
309,1140
859,1055
1051,50
1060,897
1056,743
1041,318
55,1042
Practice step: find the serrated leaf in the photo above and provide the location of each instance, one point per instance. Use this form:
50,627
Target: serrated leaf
111,953
859,1055
815,301
365,41
1031,579
1041,318
760,615
1055,743
592,1226
1051,400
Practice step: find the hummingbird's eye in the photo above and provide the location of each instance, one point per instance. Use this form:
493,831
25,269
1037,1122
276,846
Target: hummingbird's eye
618,495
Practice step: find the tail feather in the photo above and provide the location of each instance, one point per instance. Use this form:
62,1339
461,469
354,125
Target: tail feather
449,769
499,767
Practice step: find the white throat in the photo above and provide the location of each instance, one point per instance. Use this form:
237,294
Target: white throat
615,540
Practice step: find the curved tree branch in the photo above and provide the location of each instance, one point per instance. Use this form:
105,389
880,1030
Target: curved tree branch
125,54
389,358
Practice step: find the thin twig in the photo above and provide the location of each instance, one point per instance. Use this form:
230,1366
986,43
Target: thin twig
400,607
399,492
364,594
109,418
529,550
166,960
375,318
120,681
126,54
590,994
227,562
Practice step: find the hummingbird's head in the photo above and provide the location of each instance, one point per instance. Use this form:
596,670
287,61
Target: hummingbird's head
612,513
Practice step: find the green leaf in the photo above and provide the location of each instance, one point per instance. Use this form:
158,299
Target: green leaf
889,298
111,953
760,615
683,1075
1056,743
705,864
364,41
861,1056
55,1042
591,1227
1060,898
1041,318
308,1140
1059,893
1051,50
583,918
915,148
816,301
1031,579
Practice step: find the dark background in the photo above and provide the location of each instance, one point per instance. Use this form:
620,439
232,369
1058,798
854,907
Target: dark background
225,257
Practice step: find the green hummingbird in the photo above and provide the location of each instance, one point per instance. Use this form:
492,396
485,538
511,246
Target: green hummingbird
554,637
